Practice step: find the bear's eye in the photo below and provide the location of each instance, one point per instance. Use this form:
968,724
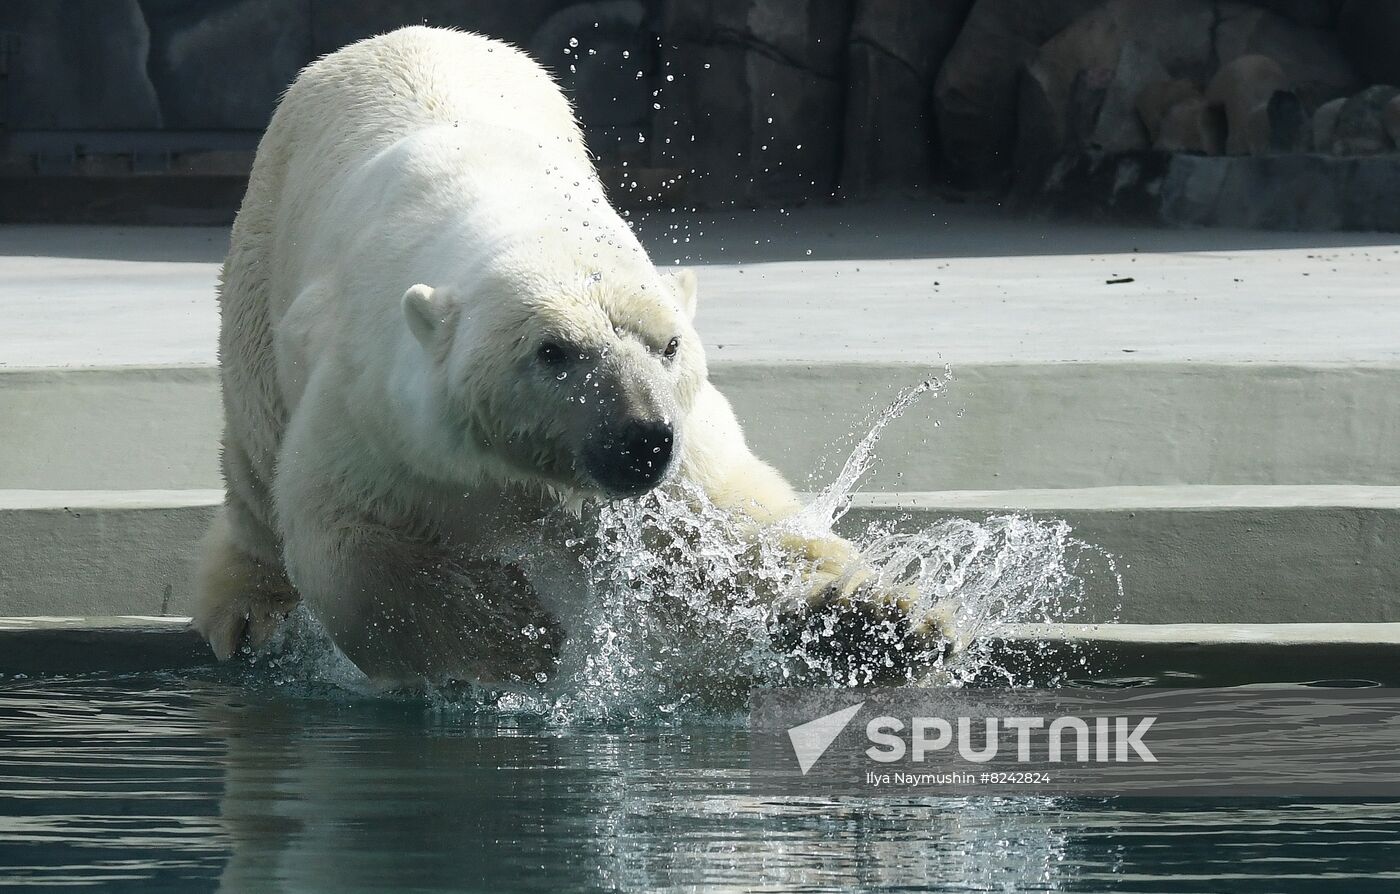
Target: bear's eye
551,354
671,347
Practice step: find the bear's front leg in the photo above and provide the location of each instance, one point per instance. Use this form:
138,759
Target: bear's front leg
407,607
237,598
851,629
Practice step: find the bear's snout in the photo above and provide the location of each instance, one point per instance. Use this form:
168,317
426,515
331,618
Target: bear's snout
635,459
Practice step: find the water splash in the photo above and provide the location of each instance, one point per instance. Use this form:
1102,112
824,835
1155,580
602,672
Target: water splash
822,513
683,602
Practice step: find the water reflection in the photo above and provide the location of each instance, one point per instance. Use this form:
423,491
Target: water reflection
150,783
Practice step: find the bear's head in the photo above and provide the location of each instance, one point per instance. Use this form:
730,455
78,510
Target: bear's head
584,385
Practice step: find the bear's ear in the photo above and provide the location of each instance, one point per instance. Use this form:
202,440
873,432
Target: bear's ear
683,284
426,312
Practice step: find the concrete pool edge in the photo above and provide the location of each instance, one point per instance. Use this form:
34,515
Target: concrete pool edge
1006,424
1218,653
1195,553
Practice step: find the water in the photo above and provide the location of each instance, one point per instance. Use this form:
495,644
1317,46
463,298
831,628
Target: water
628,769
221,780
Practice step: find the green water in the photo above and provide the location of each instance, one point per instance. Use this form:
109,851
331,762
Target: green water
186,783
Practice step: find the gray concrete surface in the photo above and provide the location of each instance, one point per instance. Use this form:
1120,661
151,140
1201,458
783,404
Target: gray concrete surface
1233,357
1000,426
1235,555
1186,655
917,285
1203,554
1186,421
85,553
1178,655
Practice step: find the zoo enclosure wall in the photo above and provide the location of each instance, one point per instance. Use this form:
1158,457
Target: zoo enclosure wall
150,110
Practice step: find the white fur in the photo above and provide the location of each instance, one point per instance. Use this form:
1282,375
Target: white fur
422,212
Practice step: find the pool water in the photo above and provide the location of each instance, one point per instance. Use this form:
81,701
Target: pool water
201,781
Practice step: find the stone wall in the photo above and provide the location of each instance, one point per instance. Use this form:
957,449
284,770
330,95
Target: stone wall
745,101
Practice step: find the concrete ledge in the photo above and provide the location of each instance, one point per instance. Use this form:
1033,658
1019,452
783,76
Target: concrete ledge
1161,655
151,427
1187,554
50,645
1207,554
1213,654
100,552
1022,425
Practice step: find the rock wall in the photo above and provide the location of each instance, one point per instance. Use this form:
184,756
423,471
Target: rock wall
751,101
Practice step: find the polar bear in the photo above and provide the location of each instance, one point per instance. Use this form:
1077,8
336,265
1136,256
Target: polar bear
435,332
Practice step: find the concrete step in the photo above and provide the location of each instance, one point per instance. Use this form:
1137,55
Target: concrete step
1085,356
1176,655
999,427
100,552
1206,554
1263,554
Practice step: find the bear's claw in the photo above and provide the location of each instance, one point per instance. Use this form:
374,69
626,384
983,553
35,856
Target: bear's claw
851,633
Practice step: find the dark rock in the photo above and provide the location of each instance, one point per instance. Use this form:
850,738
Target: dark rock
1278,192
605,59
1288,129
1301,191
1369,32
1391,115
336,23
223,69
1361,126
1311,58
896,49
752,97
78,65
1088,94
1048,125
1113,186
1324,124
1243,88
1125,44
1130,45
1310,13
1118,126
1192,125
1157,99
1370,194
976,89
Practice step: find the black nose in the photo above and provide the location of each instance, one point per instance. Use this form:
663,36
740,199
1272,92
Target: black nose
636,458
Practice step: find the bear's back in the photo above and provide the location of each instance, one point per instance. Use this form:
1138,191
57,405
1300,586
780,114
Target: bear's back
377,90
391,133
